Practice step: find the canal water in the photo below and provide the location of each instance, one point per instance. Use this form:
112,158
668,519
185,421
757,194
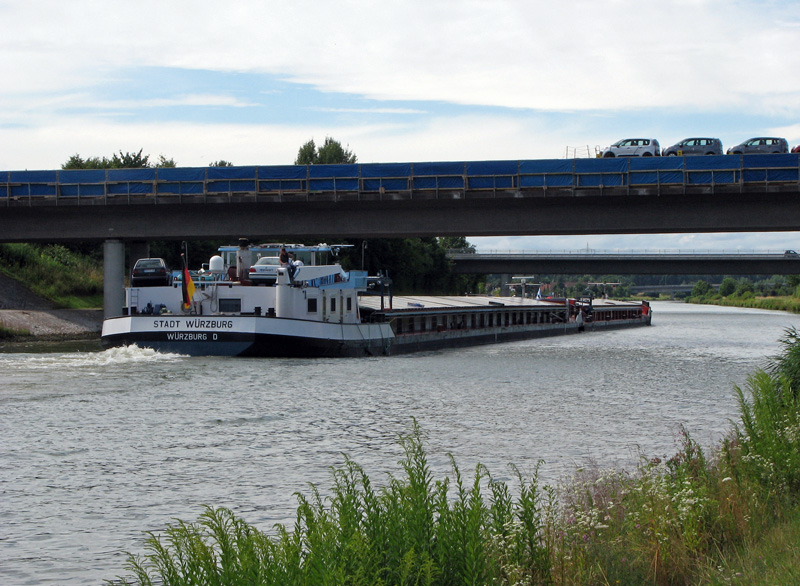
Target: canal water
98,447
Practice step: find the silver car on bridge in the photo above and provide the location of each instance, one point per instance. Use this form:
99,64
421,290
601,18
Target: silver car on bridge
695,146
760,145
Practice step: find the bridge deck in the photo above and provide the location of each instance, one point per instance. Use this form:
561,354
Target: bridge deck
397,181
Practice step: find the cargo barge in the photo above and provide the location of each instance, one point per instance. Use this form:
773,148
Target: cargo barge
308,308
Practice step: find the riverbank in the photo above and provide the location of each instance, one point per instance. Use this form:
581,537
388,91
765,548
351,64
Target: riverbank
25,315
50,325
783,303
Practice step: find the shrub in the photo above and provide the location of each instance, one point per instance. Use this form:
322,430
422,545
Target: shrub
769,434
54,272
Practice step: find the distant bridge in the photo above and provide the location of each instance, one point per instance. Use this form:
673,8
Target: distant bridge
628,263
666,289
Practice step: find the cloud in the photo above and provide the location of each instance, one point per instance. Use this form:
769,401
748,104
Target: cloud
192,100
401,111
537,55
775,242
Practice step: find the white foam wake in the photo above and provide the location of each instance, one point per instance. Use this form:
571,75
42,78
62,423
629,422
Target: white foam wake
112,357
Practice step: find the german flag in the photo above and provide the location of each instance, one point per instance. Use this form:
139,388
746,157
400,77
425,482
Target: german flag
187,285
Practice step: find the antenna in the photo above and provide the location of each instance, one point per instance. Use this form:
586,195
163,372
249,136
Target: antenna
604,283
523,283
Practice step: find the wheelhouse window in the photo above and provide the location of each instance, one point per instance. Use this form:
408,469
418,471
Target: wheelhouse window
312,305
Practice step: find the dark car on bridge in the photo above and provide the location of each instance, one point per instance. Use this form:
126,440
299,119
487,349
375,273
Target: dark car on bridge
150,272
695,146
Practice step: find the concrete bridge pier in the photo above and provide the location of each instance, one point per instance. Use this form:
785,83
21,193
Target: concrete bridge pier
113,278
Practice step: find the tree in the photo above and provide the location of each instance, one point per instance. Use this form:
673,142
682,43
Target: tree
743,287
130,160
727,287
78,162
119,160
164,162
221,163
456,243
307,155
701,289
330,153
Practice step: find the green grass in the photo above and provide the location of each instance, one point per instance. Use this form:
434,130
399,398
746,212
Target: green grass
67,279
719,518
783,303
773,559
12,334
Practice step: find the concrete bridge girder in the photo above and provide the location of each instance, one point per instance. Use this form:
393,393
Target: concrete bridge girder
741,212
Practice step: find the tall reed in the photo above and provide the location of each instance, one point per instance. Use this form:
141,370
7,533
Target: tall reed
412,531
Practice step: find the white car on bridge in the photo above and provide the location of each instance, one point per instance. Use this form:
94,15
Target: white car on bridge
633,147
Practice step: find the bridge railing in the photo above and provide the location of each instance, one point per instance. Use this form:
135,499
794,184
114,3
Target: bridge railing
473,179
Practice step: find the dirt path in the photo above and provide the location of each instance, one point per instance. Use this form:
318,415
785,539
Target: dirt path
23,311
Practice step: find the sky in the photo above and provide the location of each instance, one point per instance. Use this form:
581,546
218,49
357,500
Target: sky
250,81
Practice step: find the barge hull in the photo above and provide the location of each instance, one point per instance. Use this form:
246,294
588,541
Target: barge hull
452,339
352,340
257,336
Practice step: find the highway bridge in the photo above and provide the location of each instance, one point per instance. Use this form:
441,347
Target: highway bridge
627,263
729,193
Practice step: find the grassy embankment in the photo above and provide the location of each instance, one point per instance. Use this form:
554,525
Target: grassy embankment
725,517
66,279
781,303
